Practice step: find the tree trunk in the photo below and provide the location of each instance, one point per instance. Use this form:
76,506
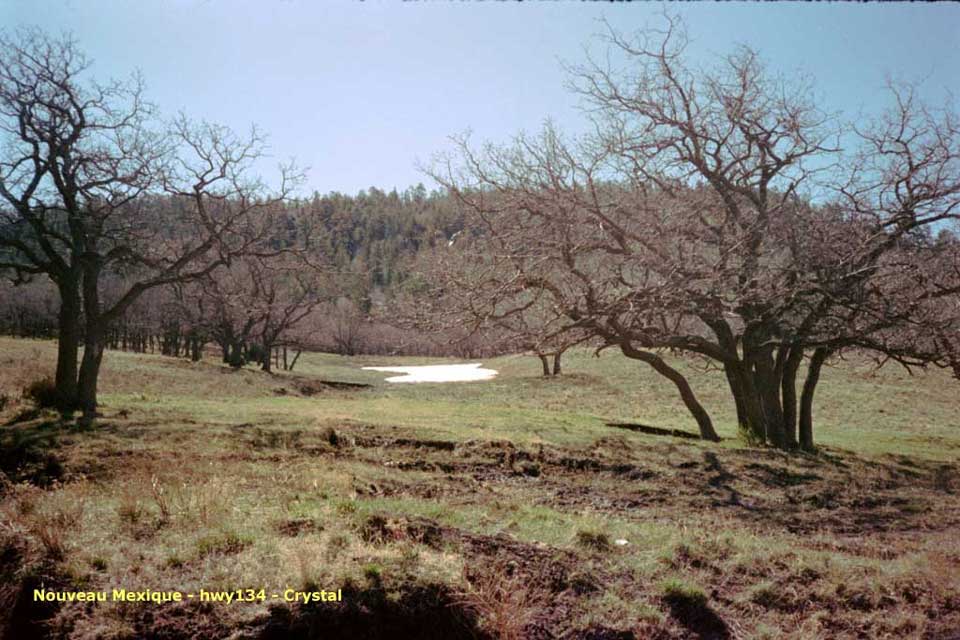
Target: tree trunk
196,349
545,364
686,393
756,428
68,344
236,358
296,357
736,388
94,333
556,363
788,391
764,389
806,397
90,372
768,388
266,358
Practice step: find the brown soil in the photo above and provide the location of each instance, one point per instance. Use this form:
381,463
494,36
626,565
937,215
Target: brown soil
835,502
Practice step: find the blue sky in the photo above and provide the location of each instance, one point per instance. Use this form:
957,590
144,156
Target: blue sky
358,92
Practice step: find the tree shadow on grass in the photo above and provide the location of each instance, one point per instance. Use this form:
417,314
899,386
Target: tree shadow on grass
780,477
27,451
654,431
698,618
425,612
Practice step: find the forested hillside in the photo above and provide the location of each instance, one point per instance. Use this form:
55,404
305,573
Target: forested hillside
364,246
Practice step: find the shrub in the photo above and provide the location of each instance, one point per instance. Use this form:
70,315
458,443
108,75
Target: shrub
330,435
596,541
345,507
24,458
225,543
50,534
336,546
373,573
130,511
51,525
766,594
375,529
43,393
504,600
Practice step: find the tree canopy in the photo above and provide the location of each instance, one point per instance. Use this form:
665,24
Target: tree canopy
715,212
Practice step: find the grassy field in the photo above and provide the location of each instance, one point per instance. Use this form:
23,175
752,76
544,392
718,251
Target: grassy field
500,509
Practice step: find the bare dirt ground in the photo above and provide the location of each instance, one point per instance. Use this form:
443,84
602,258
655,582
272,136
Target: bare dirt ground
829,503
814,518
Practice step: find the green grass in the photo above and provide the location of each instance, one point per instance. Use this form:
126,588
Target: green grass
198,476
857,407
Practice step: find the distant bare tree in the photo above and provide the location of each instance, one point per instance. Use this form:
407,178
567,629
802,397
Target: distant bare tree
346,323
254,306
288,291
29,310
467,295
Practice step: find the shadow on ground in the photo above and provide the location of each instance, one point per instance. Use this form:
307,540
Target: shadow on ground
424,612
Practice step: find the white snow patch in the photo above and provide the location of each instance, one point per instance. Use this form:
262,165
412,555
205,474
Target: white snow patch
438,373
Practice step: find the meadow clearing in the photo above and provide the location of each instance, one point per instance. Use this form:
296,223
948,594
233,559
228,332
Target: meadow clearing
506,508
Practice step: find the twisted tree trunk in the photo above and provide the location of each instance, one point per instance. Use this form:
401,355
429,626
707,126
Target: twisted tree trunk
788,386
700,414
806,398
736,389
764,390
90,372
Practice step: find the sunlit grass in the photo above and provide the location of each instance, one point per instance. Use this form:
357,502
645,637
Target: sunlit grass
200,476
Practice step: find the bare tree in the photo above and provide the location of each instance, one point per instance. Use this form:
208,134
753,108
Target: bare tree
346,325
29,310
97,185
58,140
253,306
468,296
287,292
685,224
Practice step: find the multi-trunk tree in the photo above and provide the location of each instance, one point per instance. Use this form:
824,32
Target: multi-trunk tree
254,306
705,216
